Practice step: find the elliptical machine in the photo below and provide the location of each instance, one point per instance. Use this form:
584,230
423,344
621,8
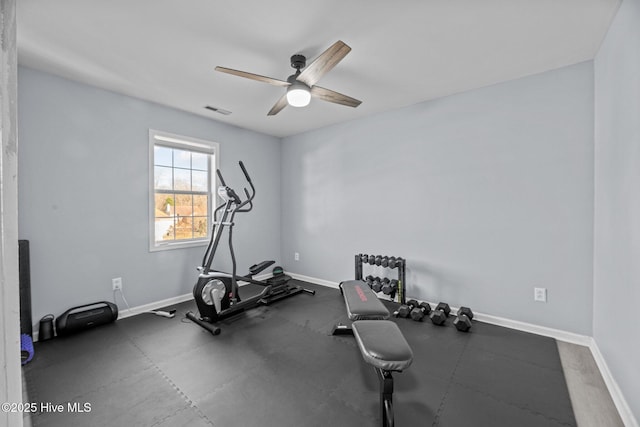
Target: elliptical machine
216,293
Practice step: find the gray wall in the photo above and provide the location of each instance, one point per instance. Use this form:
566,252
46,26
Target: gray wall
487,194
617,201
83,199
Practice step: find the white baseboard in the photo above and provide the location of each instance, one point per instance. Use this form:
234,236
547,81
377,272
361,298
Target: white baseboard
313,280
624,410
616,394
123,314
557,334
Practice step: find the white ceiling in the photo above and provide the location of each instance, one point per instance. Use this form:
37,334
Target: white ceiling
404,52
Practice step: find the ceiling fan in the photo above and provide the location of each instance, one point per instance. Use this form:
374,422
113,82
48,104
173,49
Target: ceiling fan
301,86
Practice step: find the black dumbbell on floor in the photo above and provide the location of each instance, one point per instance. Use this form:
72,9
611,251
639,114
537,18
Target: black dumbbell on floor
405,309
440,314
463,321
422,310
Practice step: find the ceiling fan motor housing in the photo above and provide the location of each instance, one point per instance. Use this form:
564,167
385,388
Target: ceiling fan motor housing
298,61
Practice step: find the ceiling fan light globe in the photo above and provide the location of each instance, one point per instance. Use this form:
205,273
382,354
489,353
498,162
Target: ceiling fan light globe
298,95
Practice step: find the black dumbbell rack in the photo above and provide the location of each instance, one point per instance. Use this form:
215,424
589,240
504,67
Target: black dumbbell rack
400,266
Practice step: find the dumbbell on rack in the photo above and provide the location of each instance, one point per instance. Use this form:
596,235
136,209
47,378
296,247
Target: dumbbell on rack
405,309
377,284
422,310
389,286
440,314
463,321
374,283
369,280
394,262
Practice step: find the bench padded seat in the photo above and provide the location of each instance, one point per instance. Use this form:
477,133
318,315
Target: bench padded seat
362,303
382,344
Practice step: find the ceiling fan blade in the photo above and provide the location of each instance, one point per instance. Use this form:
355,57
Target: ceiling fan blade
335,97
282,102
324,63
252,76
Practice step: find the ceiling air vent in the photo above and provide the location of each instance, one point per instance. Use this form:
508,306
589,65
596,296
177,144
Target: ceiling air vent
218,110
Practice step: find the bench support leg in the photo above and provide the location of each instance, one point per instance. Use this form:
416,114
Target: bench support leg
386,397
341,329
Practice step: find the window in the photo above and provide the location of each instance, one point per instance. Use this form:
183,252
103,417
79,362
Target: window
180,182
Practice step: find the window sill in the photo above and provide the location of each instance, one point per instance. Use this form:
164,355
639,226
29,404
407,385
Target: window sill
178,245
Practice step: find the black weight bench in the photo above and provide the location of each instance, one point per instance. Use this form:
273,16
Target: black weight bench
362,304
380,341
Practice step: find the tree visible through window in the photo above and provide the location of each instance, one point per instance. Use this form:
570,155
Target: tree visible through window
181,182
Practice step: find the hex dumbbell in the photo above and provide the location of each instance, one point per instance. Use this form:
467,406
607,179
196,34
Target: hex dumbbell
364,258
395,262
405,309
389,286
463,321
369,280
377,284
378,259
372,259
422,310
440,314
385,261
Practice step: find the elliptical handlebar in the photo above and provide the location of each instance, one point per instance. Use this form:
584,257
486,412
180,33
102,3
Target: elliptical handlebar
221,178
230,192
244,170
251,195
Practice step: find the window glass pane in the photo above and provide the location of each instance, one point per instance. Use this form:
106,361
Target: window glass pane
200,205
164,229
199,161
162,178
164,205
181,159
184,227
200,226
180,198
162,156
182,179
184,205
200,179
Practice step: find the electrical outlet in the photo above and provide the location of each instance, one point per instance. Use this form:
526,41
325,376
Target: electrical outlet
540,294
117,283
296,256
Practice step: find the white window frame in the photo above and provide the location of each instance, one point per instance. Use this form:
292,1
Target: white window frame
166,139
